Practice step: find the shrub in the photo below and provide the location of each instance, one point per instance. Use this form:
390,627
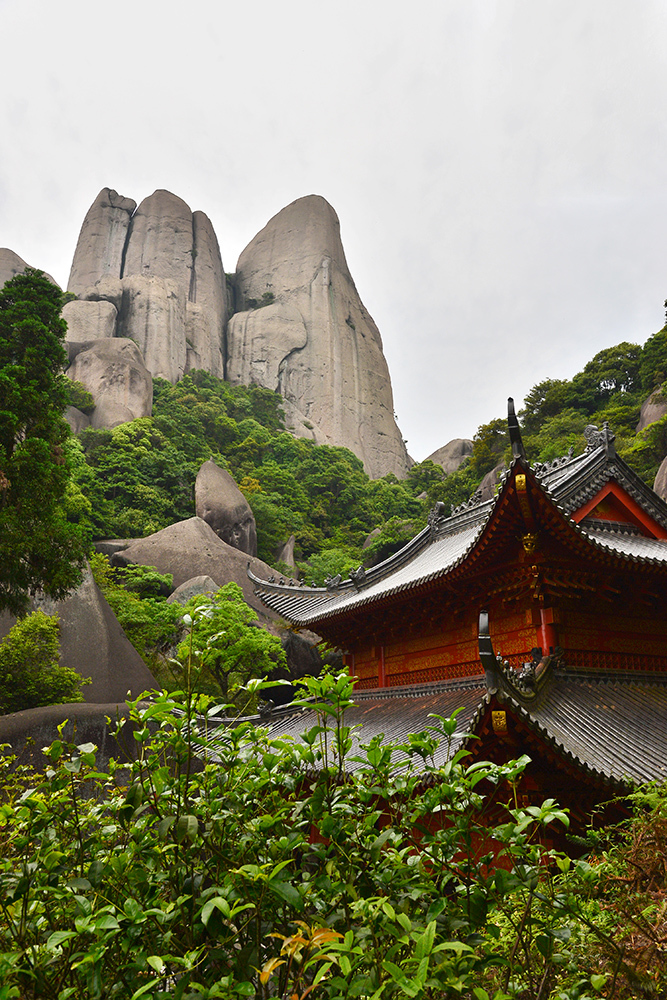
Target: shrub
30,674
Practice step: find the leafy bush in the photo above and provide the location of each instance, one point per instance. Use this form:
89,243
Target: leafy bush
273,869
30,674
79,396
227,649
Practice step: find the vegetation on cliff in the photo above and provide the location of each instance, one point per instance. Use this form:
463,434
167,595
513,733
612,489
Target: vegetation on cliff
42,532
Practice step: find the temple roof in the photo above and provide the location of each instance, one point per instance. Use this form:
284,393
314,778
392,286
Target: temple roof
610,726
565,485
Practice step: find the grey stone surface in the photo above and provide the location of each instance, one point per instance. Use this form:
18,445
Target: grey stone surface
653,408
660,484
160,242
490,482
192,588
316,344
89,320
99,250
112,370
77,420
152,314
28,732
191,548
93,643
220,503
11,265
285,554
452,454
107,289
206,308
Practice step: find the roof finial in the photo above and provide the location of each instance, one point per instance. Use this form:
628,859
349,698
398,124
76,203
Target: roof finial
515,431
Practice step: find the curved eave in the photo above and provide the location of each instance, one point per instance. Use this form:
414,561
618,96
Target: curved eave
439,551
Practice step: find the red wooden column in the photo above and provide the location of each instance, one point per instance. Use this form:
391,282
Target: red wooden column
382,677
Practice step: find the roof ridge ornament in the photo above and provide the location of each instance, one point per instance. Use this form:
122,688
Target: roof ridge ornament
518,450
604,438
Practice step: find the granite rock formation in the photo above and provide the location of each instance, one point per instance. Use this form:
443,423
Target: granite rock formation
11,265
302,330
93,643
159,265
113,371
220,503
451,455
660,483
193,588
153,274
653,408
191,548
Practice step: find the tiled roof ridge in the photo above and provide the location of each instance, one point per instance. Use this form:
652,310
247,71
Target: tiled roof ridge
425,688
537,727
587,675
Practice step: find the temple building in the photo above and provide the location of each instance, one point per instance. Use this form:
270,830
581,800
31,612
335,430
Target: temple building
540,613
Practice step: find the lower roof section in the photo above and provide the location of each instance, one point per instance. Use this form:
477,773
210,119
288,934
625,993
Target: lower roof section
611,727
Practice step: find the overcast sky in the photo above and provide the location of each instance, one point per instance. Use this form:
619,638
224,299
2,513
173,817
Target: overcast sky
498,166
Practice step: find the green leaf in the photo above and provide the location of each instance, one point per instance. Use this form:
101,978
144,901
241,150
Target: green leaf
58,938
286,891
156,963
186,829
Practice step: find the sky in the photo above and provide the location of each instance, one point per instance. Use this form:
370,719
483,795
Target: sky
499,167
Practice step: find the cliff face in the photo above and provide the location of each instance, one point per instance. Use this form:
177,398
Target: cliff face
314,342
152,274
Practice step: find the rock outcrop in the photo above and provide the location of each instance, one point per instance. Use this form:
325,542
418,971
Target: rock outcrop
101,245
302,330
191,548
89,320
660,483
159,266
653,408
451,455
11,265
153,274
93,643
220,503
113,371
193,588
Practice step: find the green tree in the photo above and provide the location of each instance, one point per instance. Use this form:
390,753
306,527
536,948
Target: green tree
40,548
30,674
227,648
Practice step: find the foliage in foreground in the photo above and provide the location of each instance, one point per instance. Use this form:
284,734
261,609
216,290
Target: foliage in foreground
30,672
273,870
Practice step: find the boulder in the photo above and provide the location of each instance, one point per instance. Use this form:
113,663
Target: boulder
93,643
107,289
193,588
220,503
653,408
660,484
88,321
112,370
490,482
303,330
152,314
77,420
99,250
27,733
285,553
11,265
191,548
452,454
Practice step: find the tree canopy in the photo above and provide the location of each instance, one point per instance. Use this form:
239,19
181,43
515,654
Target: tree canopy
42,545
